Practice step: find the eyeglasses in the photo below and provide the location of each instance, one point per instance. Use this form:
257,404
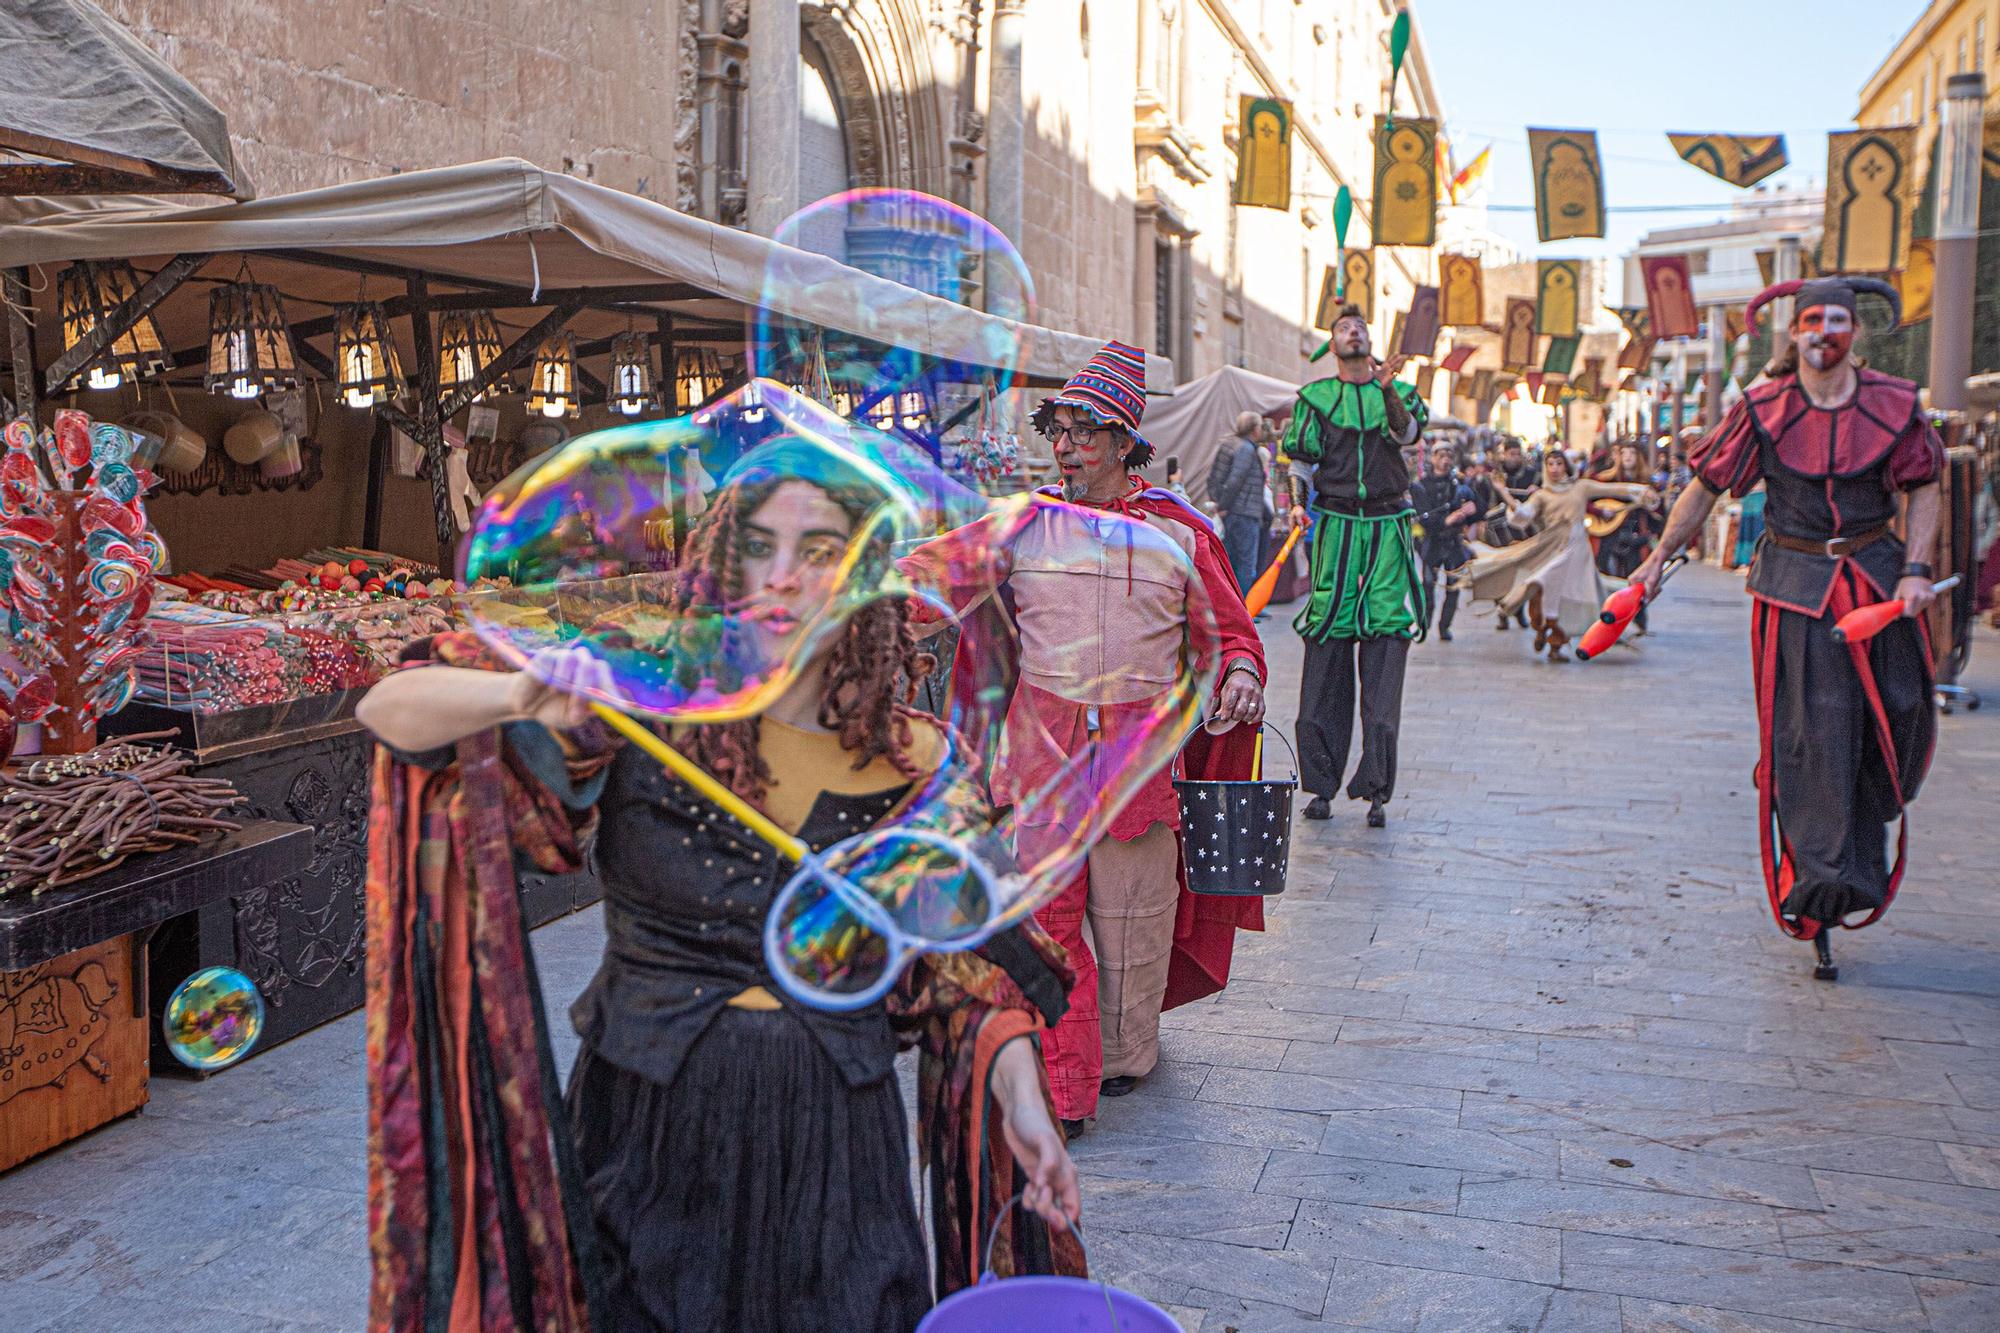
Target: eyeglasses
1077,434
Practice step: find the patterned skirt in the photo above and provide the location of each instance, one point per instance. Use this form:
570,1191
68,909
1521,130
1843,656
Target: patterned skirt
1365,583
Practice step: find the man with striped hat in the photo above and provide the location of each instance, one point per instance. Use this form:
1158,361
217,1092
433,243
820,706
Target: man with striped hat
1345,443
1098,593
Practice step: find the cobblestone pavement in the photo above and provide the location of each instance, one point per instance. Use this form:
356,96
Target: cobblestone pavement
1533,1057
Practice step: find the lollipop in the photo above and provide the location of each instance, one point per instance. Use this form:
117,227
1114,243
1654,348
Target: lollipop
213,1019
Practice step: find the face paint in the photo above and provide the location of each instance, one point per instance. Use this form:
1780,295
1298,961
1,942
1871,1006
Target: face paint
1823,335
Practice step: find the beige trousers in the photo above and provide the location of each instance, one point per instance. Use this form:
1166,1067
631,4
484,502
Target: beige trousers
1134,895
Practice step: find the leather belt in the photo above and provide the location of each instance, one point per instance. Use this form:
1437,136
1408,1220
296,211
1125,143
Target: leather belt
1833,548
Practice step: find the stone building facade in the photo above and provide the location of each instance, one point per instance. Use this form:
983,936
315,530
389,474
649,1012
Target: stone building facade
1099,136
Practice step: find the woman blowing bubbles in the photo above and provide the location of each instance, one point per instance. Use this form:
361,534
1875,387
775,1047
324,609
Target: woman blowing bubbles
745,1157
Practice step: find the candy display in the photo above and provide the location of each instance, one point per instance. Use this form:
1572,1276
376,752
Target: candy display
66,819
77,561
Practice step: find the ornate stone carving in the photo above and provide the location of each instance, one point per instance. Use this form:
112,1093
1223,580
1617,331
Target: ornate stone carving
687,114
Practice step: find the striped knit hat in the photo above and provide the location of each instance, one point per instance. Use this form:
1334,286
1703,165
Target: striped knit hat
1112,388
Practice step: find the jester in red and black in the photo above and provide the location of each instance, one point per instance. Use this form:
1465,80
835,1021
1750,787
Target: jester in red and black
1847,728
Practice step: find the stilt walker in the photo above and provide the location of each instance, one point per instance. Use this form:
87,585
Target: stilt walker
1847,727
1367,602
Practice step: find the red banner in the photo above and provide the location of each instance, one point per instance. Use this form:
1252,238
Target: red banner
1670,296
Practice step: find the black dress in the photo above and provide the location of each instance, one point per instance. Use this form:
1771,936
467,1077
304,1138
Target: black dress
749,1171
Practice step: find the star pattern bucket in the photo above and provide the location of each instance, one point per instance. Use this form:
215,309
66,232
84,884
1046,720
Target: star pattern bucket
1237,835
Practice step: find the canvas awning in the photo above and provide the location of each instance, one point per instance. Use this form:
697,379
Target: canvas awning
510,225
93,110
1202,413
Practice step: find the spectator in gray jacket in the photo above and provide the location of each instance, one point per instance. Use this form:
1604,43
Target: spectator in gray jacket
1236,488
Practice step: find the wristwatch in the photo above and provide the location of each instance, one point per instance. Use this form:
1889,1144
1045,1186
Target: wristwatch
1918,569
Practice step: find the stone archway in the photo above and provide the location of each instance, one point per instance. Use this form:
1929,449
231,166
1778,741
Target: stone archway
885,82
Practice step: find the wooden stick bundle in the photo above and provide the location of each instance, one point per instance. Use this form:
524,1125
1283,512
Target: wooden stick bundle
68,818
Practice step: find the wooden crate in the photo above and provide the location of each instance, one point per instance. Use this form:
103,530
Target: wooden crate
72,1048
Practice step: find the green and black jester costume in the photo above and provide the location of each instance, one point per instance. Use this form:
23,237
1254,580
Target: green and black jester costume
1367,604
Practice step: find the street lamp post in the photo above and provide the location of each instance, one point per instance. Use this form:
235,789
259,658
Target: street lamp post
1957,240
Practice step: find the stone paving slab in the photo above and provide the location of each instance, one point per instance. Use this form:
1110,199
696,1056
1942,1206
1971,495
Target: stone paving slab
1532,1057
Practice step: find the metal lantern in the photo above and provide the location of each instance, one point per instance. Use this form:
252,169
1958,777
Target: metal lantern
552,387
632,389
249,343
697,376
468,342
365,355
89,291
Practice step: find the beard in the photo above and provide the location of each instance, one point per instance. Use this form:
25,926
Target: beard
1074,487
1360,353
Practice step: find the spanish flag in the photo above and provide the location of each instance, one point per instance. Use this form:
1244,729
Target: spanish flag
1474,171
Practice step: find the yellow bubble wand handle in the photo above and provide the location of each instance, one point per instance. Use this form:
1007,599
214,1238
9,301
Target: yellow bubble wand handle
688,771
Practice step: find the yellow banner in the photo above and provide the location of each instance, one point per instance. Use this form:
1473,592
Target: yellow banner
1264,152
1569,183
1329,300
1405,181
1360,266
1915,280
1462,281
1558,296
1871,191
1740,159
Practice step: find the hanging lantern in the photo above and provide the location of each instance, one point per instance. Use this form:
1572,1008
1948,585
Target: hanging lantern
468,342
697,376
365,355
249,343
552,387
632,375
89,292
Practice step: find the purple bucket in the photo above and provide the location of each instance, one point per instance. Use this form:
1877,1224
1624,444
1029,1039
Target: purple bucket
1046,1305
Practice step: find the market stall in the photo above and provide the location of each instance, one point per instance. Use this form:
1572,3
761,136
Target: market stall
326,381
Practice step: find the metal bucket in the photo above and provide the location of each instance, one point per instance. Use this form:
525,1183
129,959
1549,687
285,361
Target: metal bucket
1237,835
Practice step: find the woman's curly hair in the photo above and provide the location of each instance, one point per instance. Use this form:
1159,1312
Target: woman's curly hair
873,663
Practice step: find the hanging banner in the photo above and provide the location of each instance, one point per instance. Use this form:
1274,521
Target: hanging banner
1264,152
1360,266
1637,353
1455,359
1426,380
1558,284
1914,281
1561,355
1517,335
1569,183
1740,159
1329,300
1550,394
1405,182
1871,192
1462,283
1421,329
1670,296
1734,323
1469,177
1591,382
1533,379
1482,388
1396,327
1767,265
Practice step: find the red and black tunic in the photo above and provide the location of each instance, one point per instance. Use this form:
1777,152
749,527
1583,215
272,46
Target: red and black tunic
1847,729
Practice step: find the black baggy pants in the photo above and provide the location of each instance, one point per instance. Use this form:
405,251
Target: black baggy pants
1327,708
1832,788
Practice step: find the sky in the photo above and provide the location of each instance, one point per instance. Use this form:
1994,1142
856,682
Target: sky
1635,69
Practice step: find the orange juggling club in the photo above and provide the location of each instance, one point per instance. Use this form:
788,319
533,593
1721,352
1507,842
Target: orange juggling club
1865,622
1619,610
1260,592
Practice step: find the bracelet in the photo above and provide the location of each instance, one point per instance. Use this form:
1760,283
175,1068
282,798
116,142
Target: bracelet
1918,569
